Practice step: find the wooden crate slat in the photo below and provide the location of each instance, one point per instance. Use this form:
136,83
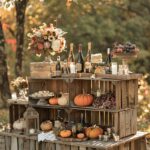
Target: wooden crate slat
26,144
118,95
74,147
122,124
8,142
2,143
32,145
20,143
123,94
131,93
136,91
128,118
115,121
14,144
58,147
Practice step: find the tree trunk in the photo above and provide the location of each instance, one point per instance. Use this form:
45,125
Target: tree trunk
20,20
4,82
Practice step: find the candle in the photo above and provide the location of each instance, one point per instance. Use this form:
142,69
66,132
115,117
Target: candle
114,68
32,131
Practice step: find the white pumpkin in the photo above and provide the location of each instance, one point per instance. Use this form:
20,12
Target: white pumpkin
19,124
63,100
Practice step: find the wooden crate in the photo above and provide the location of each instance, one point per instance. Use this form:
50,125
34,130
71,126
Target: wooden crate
126,91
21,142
124,122
40,69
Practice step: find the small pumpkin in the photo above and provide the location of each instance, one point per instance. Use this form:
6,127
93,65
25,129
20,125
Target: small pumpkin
80,135
63,100
46,125
93,132
65,133
53,101
19,124
83,100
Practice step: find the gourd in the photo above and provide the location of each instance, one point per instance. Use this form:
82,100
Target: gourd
53,101
46,125
65,133
19,124
80,135
93,132
83,100
63,100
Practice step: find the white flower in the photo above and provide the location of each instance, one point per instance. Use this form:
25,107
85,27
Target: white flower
38,34
56,45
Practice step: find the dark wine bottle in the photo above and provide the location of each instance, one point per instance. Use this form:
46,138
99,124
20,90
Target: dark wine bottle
108,62
58,67
88,66
80,61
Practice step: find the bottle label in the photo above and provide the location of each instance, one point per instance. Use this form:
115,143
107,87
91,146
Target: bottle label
88,67
78,67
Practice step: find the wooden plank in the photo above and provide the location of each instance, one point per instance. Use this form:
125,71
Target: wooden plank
123,94
32,145
131,93
20,144
8,142
74,147
2,143
128,117
118,95
136,91
137,144
134,120
143,144
122,124
14,144
82,148
127,146
26,144
50,146
58,147
122,147
132,145
65,147
115,122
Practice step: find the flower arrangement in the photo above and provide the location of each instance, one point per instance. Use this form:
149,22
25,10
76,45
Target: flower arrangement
7,4
19,83
46,40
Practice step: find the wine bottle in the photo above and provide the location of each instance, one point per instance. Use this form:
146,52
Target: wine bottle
71,55
108,62
58,67
88,66
80,61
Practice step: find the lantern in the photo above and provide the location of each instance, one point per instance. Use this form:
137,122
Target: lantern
31,117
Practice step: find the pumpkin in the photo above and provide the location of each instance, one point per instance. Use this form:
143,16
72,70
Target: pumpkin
65,133
63,100
53,101
19,124
46,125
83,100
80,135
93,132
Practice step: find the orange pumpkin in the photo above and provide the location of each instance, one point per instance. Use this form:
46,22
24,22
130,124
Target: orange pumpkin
46,125
83,100
93,132
53,101
65,133
80,135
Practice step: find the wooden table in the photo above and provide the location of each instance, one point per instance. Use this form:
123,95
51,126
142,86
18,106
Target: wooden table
9,141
